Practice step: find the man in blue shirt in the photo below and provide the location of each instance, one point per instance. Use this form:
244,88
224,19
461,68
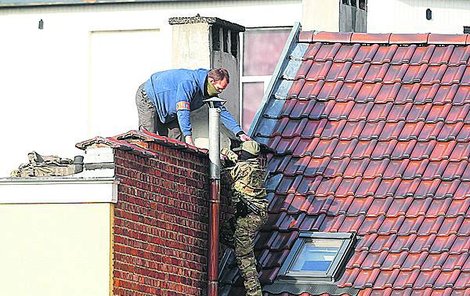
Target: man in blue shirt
165,100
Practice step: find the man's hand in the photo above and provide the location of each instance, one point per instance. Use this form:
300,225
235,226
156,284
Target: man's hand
244,137
189,140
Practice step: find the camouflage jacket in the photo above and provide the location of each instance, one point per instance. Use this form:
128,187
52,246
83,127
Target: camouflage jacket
247,179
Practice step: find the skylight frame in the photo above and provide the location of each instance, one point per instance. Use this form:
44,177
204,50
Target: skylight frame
331,275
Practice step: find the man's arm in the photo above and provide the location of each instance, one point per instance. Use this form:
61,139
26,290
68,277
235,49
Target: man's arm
231,124
184,94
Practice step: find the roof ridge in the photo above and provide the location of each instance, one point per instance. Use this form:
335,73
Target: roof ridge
384,38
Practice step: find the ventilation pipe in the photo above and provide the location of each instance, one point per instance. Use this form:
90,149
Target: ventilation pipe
214,199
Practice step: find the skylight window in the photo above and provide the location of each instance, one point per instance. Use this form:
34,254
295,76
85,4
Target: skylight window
317,256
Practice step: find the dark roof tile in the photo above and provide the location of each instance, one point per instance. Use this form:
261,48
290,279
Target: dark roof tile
454,261
465,78
453,75
385,279
462,95
383,149
378,206
450,279
344,148
366,277
460,55
348,91
442,243
441,55
451,225
422,55
418,207
327,52
426,279
405,279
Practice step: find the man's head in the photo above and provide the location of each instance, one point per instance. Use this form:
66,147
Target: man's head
218,80
249,149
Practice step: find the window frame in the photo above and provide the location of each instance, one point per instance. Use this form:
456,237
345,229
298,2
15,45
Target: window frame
265,79
349,240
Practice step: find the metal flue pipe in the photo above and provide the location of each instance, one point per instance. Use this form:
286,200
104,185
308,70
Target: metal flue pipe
214,199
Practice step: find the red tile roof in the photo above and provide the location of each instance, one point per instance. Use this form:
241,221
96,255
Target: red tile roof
371,134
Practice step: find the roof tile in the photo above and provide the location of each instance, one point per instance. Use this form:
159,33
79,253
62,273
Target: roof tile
446,39
447,279
409,38
426,279
454,261
405,279
385,280
370,38
343,37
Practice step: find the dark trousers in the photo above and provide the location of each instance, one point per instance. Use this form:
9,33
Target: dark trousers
149,120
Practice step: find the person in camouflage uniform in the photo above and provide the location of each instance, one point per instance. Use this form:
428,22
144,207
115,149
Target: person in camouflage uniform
248,195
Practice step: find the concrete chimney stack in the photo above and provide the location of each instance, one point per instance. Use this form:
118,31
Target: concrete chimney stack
209,42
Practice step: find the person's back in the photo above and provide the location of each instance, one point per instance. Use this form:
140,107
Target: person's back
249,183
249,198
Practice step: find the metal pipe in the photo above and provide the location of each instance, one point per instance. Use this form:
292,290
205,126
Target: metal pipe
214,199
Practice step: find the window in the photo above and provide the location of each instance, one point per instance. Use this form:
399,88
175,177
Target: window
466,29
262,48
362,3
317,255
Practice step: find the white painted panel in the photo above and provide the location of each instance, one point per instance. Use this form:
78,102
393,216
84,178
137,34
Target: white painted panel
120,61
58,190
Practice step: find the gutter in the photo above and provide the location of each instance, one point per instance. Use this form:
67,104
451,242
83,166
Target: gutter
214,199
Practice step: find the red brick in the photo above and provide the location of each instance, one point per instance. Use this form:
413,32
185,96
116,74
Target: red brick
160,222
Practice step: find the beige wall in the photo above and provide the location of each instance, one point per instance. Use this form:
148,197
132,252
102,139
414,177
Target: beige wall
55,249
320,15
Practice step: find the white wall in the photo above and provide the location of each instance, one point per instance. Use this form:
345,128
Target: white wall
409,16
77,78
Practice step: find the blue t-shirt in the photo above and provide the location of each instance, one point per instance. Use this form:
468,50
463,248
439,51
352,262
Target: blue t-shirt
177,92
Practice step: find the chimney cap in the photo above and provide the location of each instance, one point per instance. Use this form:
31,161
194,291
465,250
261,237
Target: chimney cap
204,19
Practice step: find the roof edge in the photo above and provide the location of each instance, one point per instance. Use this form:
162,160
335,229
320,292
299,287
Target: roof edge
136,141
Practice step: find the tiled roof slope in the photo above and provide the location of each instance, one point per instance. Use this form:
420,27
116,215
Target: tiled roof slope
371,134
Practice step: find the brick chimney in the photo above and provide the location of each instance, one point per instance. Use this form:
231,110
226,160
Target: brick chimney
209,42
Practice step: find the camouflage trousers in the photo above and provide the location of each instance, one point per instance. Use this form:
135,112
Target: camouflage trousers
245,231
